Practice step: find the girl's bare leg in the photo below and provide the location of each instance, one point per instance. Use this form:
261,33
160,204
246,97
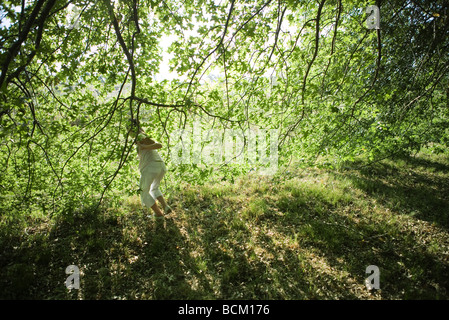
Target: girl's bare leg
156,210
164,204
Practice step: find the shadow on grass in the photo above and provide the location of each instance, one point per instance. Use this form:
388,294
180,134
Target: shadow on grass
250,257
119,257
293,240
346,246
407,190
442,165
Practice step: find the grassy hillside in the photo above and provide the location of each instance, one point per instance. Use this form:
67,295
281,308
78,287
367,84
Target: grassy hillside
304,234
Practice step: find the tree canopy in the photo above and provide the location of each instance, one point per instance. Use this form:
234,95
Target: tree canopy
74,72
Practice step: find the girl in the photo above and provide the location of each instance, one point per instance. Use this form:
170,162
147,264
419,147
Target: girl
152,170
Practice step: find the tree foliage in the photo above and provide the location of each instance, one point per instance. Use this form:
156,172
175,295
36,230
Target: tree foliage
74,72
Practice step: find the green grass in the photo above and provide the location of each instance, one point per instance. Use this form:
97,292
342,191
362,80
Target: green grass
304,234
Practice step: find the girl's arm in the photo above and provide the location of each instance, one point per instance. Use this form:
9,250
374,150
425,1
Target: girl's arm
152,146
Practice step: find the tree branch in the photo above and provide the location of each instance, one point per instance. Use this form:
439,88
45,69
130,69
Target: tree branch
23,35
212,52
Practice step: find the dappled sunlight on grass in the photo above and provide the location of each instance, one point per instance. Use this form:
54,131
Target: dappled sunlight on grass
306,235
